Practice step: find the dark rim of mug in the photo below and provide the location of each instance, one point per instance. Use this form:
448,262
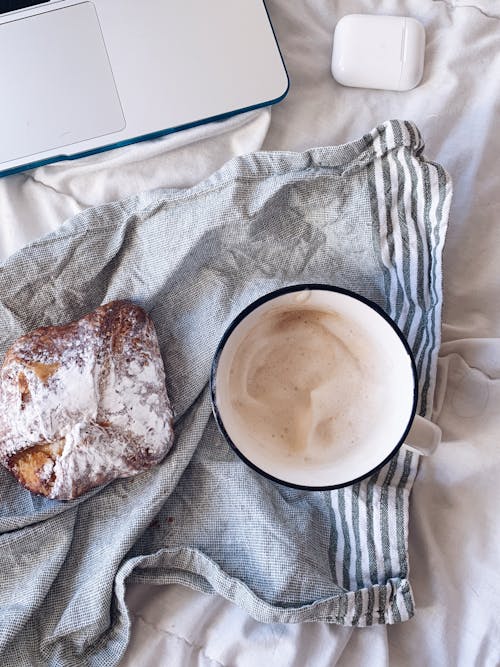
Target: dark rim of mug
269,297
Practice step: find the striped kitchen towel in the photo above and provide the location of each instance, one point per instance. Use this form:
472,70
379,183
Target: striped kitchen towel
369,215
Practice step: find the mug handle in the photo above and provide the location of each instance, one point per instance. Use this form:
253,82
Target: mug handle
423,437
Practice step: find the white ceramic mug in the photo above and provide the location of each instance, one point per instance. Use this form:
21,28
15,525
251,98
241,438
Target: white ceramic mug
387,406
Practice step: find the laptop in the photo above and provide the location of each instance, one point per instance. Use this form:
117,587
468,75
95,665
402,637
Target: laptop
81,77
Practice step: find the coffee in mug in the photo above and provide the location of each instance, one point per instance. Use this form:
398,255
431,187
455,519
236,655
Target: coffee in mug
315,387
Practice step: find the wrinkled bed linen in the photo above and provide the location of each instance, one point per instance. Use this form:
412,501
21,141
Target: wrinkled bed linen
453,517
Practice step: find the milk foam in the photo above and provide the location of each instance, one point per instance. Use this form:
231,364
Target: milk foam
308,383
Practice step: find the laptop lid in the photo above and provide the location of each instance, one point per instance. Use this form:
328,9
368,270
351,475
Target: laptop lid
95,75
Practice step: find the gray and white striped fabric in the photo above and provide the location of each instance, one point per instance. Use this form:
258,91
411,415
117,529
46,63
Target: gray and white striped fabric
371,216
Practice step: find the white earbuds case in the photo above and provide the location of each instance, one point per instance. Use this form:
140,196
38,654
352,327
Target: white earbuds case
374,51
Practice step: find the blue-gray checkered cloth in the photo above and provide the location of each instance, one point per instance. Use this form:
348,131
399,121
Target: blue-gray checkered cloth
369,215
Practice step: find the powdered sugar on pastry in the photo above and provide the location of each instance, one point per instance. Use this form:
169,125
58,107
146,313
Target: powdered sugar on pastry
84,403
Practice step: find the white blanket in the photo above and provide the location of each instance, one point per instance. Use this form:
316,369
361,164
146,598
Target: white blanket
454,545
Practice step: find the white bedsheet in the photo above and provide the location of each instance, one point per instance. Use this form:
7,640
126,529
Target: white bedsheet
454,525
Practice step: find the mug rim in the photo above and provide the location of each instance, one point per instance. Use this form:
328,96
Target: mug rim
269,297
